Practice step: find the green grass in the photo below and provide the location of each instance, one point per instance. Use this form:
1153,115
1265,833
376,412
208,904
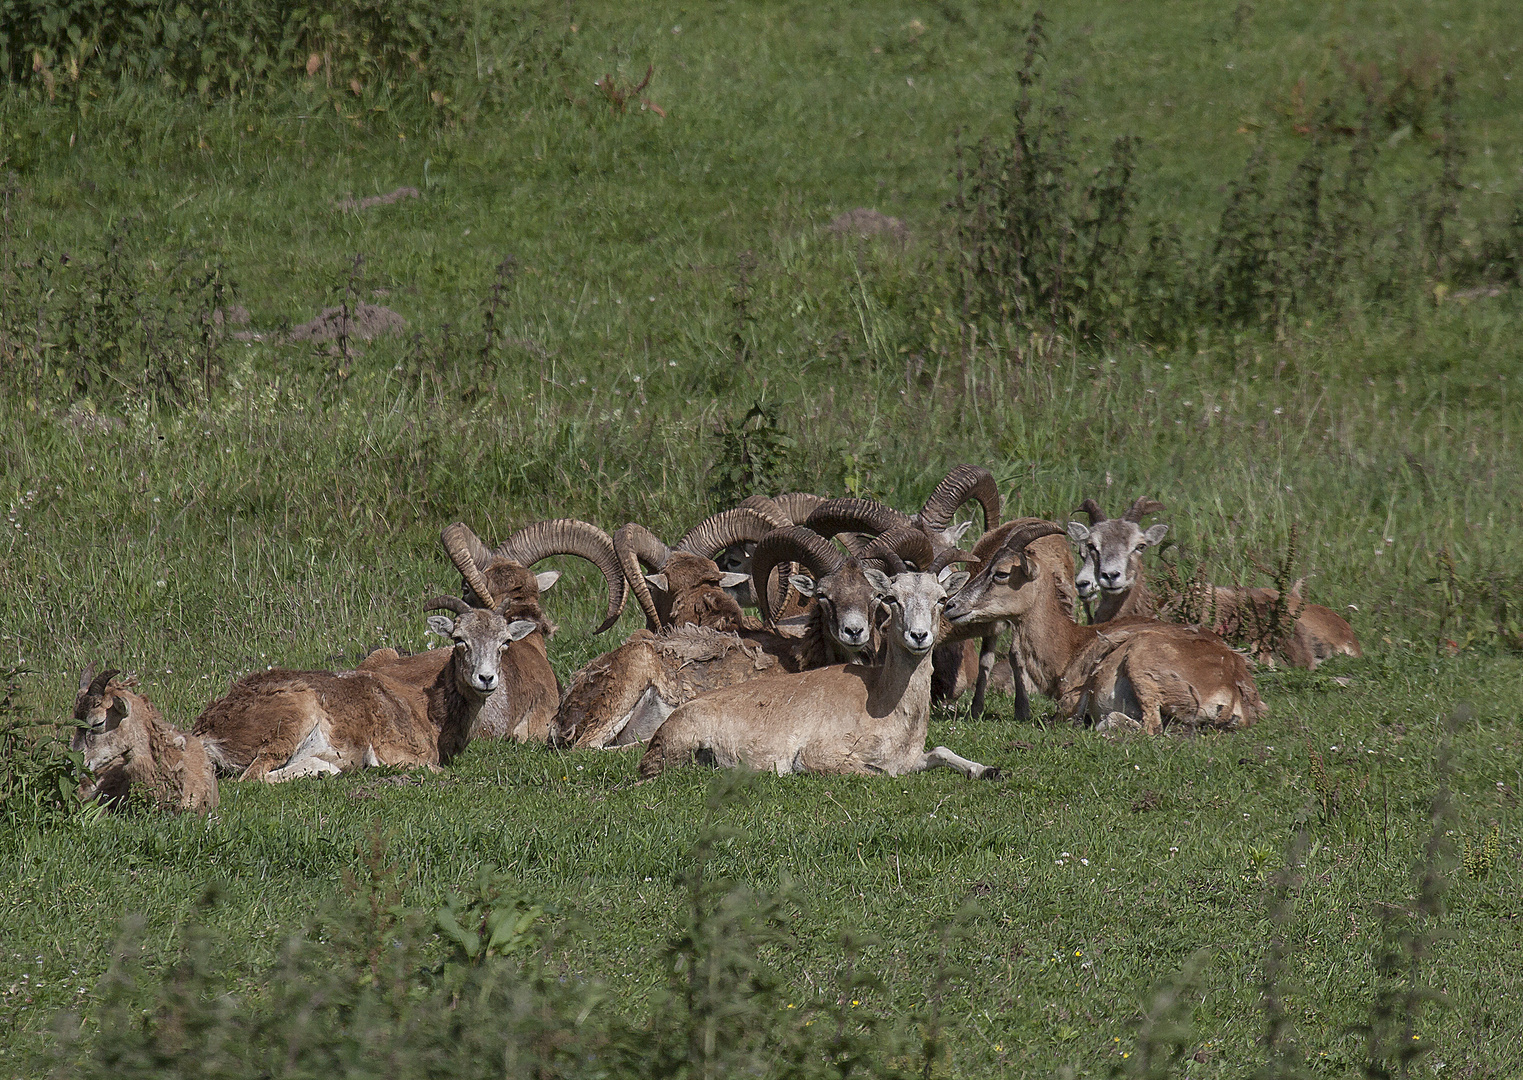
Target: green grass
293,520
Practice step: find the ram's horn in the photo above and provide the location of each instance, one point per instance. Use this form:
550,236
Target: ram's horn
448,603
568,536
1141,509
907,543
468,554
963,483
793,544
638,549
713,534
1092,509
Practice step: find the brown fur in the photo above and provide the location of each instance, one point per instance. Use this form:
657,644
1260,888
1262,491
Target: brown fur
393,710
1144,670
845,718
524,709
127,743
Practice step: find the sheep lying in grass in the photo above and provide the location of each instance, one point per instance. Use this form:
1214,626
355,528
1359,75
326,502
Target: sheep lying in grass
128,744
280,725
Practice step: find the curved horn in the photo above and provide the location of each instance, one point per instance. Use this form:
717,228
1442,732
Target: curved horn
963,483
906,543
1092,508
947,558
885,559
1027,534
795,544
637,548
1141,509
448,603
769,509
854,515
797,505
98,684
713,534
568,536
467,552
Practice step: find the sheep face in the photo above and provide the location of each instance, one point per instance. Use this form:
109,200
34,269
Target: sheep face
1110,554
1005,587
98,715
915,603
847,601
479,637
693,589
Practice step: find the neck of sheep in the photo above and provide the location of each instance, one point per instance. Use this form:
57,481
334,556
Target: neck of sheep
901,686
1138,600
1048,641
452,712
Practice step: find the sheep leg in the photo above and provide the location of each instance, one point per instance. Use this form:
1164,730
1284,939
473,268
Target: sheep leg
301,768
1150,701
986,659
1022,697
941,757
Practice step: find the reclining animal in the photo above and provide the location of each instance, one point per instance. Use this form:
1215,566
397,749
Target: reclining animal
524,707
1112,572
128,744
844,718
280,725
1128,673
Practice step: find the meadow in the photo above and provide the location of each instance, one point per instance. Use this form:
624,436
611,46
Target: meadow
633,306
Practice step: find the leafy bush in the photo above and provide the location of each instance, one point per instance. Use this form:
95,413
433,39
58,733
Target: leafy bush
111,326
755,455
39,774
232,47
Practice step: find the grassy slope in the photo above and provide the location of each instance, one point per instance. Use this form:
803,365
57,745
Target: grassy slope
281,533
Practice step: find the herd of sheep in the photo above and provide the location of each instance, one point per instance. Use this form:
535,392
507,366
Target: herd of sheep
865,616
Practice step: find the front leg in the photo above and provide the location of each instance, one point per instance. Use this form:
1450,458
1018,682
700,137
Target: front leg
942,757
1018,676
985,665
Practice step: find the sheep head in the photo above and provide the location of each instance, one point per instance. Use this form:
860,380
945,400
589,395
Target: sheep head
1110,549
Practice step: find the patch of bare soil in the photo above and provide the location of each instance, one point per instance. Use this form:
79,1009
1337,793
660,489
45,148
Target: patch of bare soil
866,222
365,321
237,315
349,202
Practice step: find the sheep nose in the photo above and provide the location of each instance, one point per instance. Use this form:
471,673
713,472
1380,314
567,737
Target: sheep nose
1111,576
854,633
488,682
919,637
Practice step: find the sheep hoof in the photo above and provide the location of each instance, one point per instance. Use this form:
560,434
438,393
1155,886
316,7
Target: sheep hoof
991,772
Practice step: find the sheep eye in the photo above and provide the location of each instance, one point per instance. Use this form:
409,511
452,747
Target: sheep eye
1002,575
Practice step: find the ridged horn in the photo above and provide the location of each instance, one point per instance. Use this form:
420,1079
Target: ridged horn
906,543
1027,534
468,554
98,684
793,544
947,558
855,515
568,536
448,603
713,534
638,549
769,509
797,505
963,483
1141,509
1092,509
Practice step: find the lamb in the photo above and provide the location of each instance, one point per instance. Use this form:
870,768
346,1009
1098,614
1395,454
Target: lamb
623,696
1112,571
126,742
525,706
1128,673
280,725
845,718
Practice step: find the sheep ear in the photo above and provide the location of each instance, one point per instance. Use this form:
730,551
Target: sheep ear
658,581
1078,532
729,581
879,580
442,625
1155,535
956,532
86,677
803,583
519,629
547,579
954,583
